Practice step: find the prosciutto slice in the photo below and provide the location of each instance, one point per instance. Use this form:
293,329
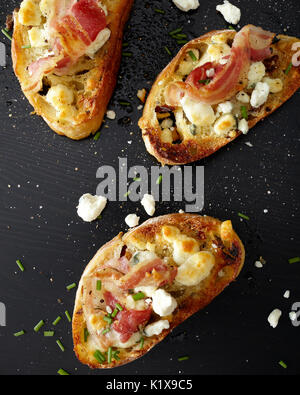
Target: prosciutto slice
249,43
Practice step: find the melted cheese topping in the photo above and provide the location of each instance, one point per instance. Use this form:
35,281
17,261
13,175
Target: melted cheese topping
61,98
196,268
30,13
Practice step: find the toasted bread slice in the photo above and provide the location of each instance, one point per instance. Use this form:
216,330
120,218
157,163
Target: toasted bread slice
172,138
205,255
82,94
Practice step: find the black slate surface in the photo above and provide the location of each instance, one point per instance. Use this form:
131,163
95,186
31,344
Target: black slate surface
43,175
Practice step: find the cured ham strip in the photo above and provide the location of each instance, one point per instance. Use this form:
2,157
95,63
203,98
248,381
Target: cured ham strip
230,78
155,273
38,69
121,264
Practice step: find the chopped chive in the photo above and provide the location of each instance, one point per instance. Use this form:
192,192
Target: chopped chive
159,10
168,51
243,216
284,365
205,82
182,41
85,334
97,136
138,296
71,286
288,69
244,112
115,355
48,333
26,46
183,358
68,316
137,179
125,45
114,313
142,343
159,179
294,260
128,54
58,342
175,31
99,356
179,36
62,372
99,285
17,334
56,321
124,103
192,55
4,31
108,319
21,267
119,307
106,330
231,28
127,193
38,326
109,355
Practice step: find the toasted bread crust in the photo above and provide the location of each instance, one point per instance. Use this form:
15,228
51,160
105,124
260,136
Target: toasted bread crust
190,150
104,72
190,299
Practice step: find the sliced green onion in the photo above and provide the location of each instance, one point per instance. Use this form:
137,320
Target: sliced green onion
182,41
108,319
85,334
127,193
71,286
159,180
62,372
288,69
243,216
142,343
175,31
4,31
284,365
17,334
127,54
109,355
68,316
193,56
105,331
244,112
115,355
26,46
294,260
119,307
48,333
168,51
56,321
99,356
137,179
159,10
205,82
97,136
125,45
114,313
38,326
183,358
179,36
99,285
21,267
58,342
231,28
138,296
124,103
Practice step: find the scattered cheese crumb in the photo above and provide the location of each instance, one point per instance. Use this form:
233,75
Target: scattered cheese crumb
186,5
132,220
274,318
111,114
230,12
243,126
90,207
260,94
258,264
286,294
148,203
141,94
157,327
292,315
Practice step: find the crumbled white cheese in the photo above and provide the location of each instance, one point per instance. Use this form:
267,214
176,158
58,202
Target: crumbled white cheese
258,264
199,114
90,207
111,114
243,126
230,12
186,5
225,107
275,84
148,203
274,318
156,328
224,124
147,290
163,303
181,211
260,94
132,220
167,123
293,316
286,294
210,72
243,97
256,73
196,268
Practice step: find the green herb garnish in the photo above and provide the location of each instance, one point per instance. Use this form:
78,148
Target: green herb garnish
205,82
288,69
175,31
193,56
168,51
127,193
137,179
294,260
183,358
85,334
243,216
105,331
109,355
97,136
127,54
68,316
124,103
108,319
159,11
5,32
58,342
71,286
142,343
17,334
115,355
284,365
138,296
62,372
99,285
114,313
159,179
99,356
56,321
119,307
38,326
48,333
21,267
26,46
244,112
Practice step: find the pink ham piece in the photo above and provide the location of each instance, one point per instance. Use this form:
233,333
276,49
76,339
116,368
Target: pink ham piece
127,321
121,264
229,78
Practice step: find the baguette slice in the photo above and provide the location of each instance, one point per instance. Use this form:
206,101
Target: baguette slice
173,238
180,143
88,84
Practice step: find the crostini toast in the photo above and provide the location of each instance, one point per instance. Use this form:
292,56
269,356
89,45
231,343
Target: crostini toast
141,285
217,87
66,55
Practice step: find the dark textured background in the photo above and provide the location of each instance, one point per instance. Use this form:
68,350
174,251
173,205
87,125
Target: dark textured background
40,187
